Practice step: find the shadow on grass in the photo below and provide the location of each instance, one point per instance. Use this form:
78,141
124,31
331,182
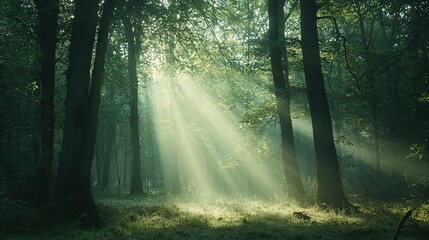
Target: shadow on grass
230,220
251,220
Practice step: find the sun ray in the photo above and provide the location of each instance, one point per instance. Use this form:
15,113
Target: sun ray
213,153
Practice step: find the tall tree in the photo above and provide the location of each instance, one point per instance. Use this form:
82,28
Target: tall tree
283,95
73,184
97,76
108,155
73,187
47,11
109,139
330,190
136,177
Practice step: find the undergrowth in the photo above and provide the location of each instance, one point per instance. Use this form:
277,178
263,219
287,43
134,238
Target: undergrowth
164,217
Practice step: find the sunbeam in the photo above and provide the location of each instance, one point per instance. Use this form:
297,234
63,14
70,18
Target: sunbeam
214,155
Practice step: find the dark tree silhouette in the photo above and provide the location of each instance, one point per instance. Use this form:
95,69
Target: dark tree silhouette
47,11
283,94
73,189
97,74
330,190
136,177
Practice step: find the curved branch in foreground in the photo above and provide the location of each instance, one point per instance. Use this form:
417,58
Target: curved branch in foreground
401,223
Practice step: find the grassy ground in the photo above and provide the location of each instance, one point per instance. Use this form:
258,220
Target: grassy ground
158,218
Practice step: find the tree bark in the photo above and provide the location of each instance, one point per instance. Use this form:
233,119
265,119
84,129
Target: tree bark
94,97
330,190
47,11
118,175
98,156
107,156
136,177
97,76
283,95
110,139
73,189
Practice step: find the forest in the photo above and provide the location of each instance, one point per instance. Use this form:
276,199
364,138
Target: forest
214,119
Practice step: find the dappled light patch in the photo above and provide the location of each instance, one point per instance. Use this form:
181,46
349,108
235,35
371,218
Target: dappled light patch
168,217
228,216
255,219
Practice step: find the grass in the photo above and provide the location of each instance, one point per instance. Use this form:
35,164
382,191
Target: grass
170,218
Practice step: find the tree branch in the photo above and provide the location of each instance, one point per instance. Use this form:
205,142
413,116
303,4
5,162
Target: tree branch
344,42
401,223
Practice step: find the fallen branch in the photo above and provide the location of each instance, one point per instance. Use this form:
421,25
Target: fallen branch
401,223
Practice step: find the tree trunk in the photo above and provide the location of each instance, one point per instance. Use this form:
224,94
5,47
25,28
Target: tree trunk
47,11
97,76
330,190
107,156
136,177
124,179
118,175
175,177
73,188
283,94
98,156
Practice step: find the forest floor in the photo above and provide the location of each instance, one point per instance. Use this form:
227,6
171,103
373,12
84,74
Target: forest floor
160,217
